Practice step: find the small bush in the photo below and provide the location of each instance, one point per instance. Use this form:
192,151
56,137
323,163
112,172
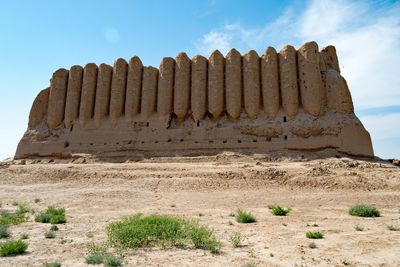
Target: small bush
245,217
278,210
50,234
54,228
393,228
36,200
22,208
24,236
4,232
52,215
359,228
112,260
12,248
97,254
364,211
312,245
139,231
52,264
236,240
8,218
314,235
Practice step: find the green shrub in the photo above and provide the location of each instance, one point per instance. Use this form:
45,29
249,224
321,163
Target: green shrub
392,227
97,254
312,245
12,247
112,260
278,210
4,232
245,217
364,211
163,230
236,240
314,235
22,208
50,234
7,218
359,228
24,236
52,264
54,228
52,215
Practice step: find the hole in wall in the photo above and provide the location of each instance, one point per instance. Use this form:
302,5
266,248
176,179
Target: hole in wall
181,140
285,137
268,139
211,141
239,141
91,144
255,141
224,141
284,118
196,142
117,143
198,123
156,142
147,124
130,142
169,140
66,144
70,128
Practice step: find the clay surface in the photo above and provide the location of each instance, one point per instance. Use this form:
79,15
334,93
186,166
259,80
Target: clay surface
199,87
133,88
288,80
165,86
88,93
291,100
233,83
270,82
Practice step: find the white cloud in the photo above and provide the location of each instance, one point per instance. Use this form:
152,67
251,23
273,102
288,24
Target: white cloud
367,38
214,40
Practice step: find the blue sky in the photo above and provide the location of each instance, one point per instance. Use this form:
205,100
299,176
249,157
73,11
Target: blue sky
37,37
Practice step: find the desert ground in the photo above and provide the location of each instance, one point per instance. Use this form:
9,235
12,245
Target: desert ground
319,190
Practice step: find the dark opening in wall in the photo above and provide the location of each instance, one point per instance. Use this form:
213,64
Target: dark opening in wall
198,123
169,140
117,143
91,144
239,141
268,139
181,140
130,142
72,127
224,141
285,137
254,140
66,144
284,118
156,142
147,124
211,141
196,142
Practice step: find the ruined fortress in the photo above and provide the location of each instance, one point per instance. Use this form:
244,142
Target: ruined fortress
291,100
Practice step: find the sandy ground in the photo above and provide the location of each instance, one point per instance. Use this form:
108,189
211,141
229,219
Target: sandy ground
209,189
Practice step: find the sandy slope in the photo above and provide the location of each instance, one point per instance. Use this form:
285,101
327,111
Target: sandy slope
318,190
